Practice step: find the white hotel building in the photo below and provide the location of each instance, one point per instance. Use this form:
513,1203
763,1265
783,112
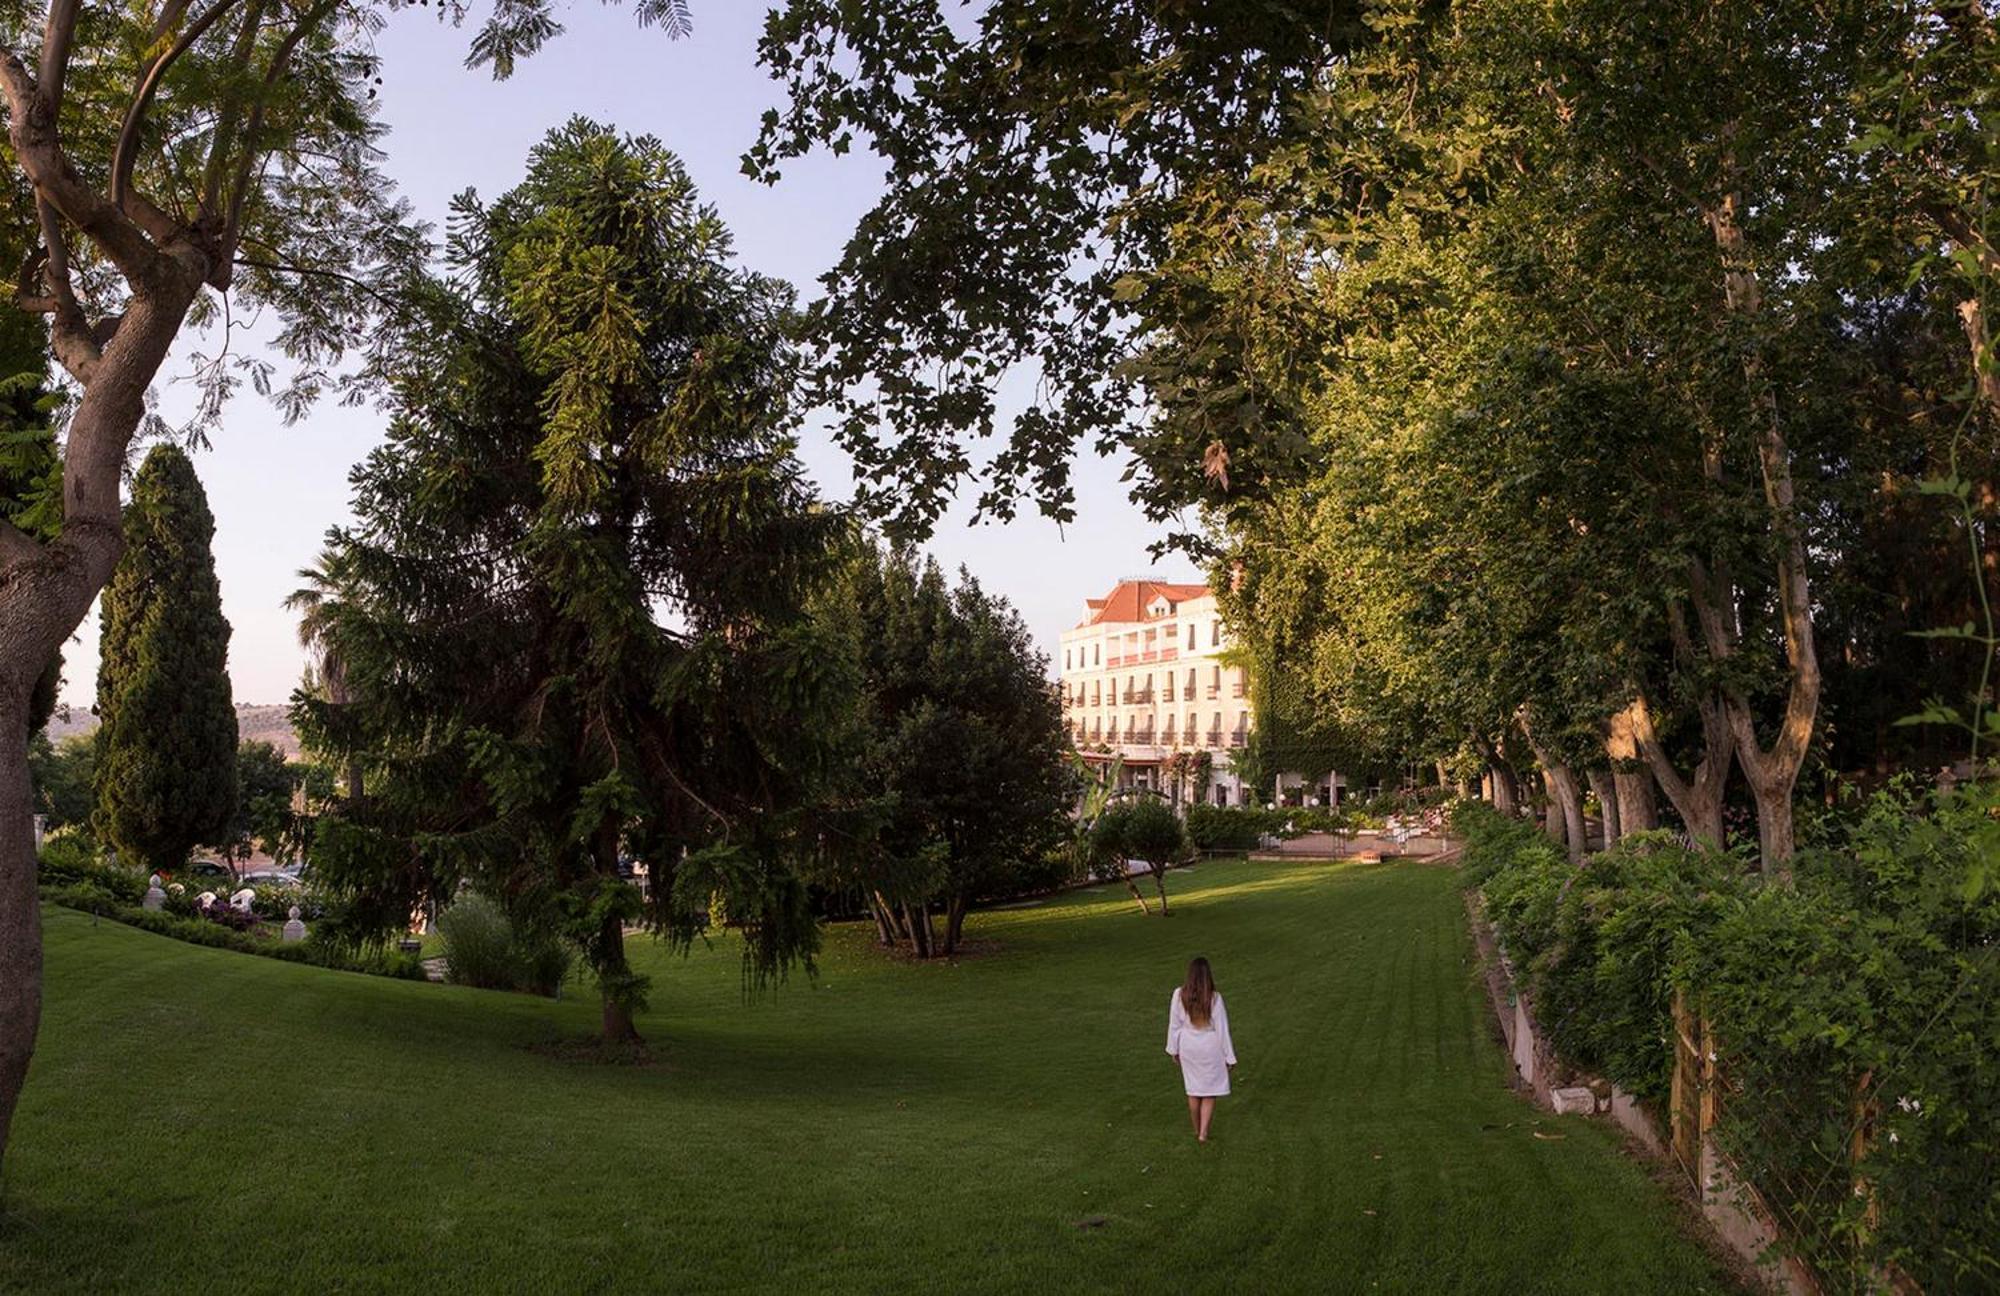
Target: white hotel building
1142,676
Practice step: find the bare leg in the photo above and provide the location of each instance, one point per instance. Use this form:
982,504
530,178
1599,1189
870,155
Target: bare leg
1201,1124
1194,1114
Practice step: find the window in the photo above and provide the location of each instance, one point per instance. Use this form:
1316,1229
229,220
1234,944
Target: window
1065,659
1095,654
1190,636
1215,634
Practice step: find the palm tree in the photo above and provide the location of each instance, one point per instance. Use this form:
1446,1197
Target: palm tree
330,596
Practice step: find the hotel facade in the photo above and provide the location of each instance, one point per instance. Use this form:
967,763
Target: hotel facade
1143,678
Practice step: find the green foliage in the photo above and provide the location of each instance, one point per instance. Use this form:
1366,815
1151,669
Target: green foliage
1141,828
598,405
376,960
265,783
958,786
68,861
1095,136
64,776
1862,1001
483,948
165,773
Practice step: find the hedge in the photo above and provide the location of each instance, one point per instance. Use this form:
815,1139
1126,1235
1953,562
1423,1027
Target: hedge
93,897
1862,998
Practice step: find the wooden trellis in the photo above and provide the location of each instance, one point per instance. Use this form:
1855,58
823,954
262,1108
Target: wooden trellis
1693,1099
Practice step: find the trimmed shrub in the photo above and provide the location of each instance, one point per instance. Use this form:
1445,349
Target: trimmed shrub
375,961
68,860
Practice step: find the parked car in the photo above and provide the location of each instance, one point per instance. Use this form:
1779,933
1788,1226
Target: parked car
274,878
208,869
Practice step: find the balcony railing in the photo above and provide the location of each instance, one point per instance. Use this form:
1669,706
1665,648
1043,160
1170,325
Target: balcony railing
1215,690
1238,690
1214,738
1236,739
1187,694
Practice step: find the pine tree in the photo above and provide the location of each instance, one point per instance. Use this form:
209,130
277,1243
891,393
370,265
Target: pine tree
166,767
569,626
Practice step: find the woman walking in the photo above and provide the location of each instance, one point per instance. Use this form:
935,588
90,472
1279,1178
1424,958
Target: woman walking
1198,1039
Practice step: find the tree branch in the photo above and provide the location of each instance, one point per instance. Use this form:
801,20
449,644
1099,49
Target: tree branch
224,135
70,335
58,35
142,98
17,546
278,267
31,128
232,225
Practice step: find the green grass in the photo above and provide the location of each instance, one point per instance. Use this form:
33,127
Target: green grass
199,1120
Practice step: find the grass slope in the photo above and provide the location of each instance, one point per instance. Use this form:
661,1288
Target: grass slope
198,1120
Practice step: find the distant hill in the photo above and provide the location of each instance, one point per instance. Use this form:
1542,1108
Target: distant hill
254,722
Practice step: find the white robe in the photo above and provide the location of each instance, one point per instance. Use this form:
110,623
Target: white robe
1205,1053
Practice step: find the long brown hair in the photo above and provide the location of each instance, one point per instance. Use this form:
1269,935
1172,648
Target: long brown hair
1198,992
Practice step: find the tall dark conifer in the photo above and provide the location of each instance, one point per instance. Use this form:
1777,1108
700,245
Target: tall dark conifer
166,765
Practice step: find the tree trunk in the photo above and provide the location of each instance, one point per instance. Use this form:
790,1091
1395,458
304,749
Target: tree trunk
1636,811
1138,895
1565,811
1698,800
20,909
954,922
1607,803
885,926
917,921
1772,774
1569,801
618,1027
1506,794
45,590
1160,885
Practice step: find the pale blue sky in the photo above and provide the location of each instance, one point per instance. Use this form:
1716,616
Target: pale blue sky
275,489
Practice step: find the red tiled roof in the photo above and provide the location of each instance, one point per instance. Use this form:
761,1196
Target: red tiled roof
1128,601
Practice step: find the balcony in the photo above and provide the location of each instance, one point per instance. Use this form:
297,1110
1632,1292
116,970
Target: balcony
1187,694
1236,739
1238,691
1214,691
1214,738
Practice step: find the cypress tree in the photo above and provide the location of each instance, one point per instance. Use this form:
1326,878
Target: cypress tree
166,766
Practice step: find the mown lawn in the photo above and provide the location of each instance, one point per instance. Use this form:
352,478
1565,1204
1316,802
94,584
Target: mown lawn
200,1120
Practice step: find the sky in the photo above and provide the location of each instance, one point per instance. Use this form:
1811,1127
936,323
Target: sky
275,489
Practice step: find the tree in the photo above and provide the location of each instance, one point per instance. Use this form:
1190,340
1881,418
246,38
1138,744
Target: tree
265,784
175,163
572,618
1036,164
166,745
62,772
1139,828
959,753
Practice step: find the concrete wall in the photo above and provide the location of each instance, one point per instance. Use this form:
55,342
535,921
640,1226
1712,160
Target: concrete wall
1729,1206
